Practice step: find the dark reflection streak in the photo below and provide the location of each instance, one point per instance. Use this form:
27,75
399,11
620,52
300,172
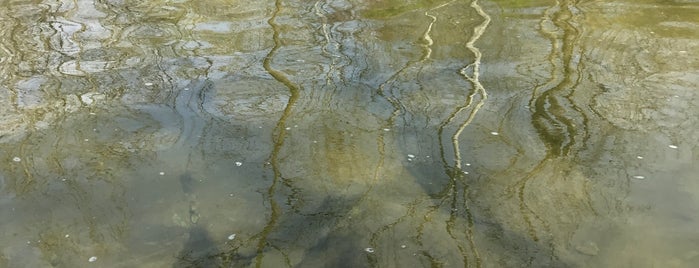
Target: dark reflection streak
278,135
557,130
521,184
327,42
398,107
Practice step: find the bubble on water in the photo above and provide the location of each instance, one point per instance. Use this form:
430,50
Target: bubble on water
672,146
92,259
237,164
639,177
494,133
161,173
231,237
370,250
16,159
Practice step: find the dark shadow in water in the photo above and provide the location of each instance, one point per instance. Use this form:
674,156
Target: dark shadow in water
199,251
326,240
484,240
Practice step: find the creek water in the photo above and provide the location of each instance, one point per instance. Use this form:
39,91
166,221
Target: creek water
349,133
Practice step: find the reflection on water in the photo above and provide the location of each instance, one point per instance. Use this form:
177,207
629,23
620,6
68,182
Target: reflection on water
349,133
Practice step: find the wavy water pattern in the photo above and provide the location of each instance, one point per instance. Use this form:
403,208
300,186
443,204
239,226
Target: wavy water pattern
335,133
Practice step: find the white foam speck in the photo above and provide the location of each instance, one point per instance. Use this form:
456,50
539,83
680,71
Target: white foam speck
161,173
370,250
411,156
92,259
16,159
231,237
148,84
639,177
494,133
673,146
237,164
639,157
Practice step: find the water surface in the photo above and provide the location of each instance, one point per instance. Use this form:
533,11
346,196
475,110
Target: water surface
349,133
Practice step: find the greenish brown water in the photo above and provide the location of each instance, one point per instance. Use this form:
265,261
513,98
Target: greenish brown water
349,133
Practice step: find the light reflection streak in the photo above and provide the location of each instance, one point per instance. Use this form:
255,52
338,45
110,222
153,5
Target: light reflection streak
457,188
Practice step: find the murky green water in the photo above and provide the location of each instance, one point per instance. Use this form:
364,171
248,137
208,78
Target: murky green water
354,133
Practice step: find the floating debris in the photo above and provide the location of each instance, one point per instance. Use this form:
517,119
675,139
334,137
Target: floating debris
673,146
231,237
639,177
16,159
92,259
370,250
161,173
237,164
